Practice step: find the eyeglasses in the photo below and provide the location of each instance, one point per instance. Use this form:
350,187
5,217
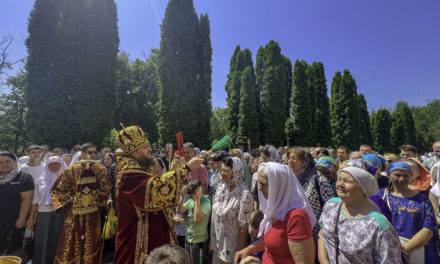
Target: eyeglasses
92,152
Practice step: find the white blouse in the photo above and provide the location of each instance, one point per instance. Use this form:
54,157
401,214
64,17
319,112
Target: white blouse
229,215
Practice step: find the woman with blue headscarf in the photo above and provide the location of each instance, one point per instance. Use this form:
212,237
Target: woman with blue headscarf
412,216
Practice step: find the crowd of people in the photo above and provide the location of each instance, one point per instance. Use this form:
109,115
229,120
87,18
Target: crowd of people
266,205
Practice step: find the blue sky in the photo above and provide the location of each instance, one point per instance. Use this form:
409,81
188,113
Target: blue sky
391,47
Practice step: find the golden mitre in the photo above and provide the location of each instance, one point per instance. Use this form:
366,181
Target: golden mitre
131,138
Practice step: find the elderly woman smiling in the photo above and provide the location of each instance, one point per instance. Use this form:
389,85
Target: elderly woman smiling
345,220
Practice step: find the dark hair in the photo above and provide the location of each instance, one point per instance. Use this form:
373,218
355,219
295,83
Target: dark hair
265,150
8,154
228,161
188,145
256,218
32,147
85,146
323,151
193,185
156,150
219,156
160,162
256,153
345,148
168,254
408,148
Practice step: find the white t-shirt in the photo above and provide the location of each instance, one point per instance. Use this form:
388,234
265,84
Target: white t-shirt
35,172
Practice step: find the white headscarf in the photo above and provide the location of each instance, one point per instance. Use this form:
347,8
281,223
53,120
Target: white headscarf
75,158
285,193
367,181
48,178
436,188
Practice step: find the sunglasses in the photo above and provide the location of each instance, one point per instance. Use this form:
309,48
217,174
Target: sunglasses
92,152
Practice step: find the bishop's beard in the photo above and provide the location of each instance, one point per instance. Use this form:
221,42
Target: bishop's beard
148,163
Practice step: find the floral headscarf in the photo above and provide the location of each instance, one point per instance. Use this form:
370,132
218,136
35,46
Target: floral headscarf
362,164
236,179
4,179
327,162
247,172
274,155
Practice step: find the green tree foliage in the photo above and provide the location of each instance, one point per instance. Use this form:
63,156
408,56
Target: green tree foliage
336,110
323,129
239,61
138,87
299,125
289,74
311,91
364,118
204,95
72,49
344,110
219,124
427,123
273,94
12,110
248,116
110,140
184,73
403,129
381,122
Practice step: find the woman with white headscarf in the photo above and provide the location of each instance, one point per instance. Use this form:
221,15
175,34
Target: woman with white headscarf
49,222
345,220
232,207
288,218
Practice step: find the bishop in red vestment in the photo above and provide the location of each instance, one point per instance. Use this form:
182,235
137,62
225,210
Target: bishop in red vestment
145,202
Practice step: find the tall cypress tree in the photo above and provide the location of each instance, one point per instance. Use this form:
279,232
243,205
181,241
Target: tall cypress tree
345,111
322,110
336,110
311,90
273,94
72,48
184,51
403,129
259,73
248,116
299,126
288,69
242,59
364,118
233,93
380,130
205,88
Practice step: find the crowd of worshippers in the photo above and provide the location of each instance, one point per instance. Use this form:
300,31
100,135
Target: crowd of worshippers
266,205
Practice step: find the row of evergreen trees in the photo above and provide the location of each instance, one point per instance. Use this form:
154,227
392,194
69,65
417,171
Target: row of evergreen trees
78,89
273,104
